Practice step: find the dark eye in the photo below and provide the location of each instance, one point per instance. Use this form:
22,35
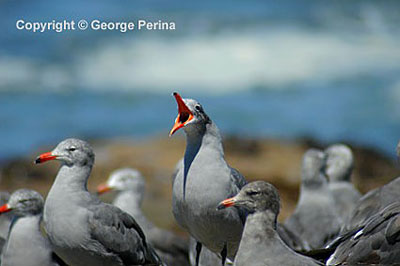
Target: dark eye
252,193
72,149
198,108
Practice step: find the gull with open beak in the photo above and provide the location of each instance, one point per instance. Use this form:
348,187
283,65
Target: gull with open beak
202,179
261,244
81,228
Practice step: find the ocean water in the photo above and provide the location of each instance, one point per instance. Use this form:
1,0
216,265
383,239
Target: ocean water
326,70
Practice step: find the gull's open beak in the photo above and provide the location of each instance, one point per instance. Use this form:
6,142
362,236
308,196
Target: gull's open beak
5,208
226,203
184,114
103,188
45,157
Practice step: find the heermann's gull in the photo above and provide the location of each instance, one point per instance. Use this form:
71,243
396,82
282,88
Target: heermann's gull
202,180
5,220
315,218
261,244
376,242
339,165
25,244
81,228
130,185
209,258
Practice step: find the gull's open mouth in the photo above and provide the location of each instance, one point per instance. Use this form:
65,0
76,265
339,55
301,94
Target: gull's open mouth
183,117
184,114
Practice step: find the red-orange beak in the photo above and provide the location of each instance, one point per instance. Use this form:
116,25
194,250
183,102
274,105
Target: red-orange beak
5,208
103,188
45,157
226,203
184,114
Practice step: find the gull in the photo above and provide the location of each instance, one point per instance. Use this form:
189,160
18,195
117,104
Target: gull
202,179
315,218
81,228
376,242
339,165
261,244
130,186
25,244
373,202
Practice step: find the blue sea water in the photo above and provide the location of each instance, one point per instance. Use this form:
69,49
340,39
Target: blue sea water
326,70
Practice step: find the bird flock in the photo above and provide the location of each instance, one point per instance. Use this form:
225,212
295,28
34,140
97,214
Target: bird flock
230,221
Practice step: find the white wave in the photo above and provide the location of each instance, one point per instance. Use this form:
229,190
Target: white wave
20,73
228,61
15,71
235,61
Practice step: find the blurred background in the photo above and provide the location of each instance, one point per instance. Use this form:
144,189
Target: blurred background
277,78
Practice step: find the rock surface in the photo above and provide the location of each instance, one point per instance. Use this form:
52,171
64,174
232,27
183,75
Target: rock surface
275,161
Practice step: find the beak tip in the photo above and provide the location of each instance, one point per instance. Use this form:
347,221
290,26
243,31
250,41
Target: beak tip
226,203
48,156
102,189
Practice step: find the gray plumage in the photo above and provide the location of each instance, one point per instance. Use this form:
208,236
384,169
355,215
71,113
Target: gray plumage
130,186
291,239
373,202
202,180
377,242
25,244
207,257
315,218
261,244
82,229
339,166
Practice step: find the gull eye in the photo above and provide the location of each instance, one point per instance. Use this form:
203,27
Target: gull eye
252,193
198,108
72,148
24,201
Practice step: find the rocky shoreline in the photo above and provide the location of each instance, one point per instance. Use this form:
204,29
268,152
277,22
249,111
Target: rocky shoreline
276,161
